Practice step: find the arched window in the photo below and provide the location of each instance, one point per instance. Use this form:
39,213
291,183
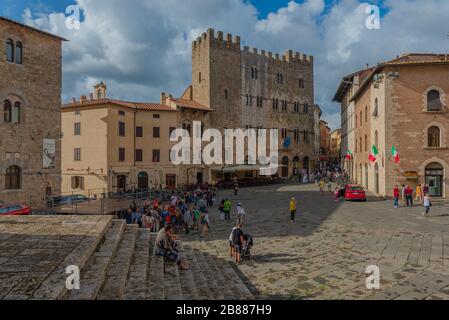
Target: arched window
355,121
366,143
226,93
19,52
433,137
360,145
376,139
16,113
7,110
9,50
361,118
433,101
376,108
366,113
13,178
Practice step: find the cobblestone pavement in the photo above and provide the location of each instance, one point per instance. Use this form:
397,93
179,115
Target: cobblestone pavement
33,247
324,255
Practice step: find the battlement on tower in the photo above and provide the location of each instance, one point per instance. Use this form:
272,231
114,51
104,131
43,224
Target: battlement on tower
217,39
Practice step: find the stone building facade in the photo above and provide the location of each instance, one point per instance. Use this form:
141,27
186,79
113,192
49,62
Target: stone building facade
251,88
30,97
402,103
335,147
324,145
113,145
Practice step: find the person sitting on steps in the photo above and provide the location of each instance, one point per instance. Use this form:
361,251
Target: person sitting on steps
166,247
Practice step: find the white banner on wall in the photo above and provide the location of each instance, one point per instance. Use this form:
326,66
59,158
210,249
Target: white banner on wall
49,156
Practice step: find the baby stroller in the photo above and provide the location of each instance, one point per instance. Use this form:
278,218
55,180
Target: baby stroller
246,247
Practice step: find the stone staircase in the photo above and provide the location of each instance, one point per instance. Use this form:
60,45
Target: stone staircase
122,267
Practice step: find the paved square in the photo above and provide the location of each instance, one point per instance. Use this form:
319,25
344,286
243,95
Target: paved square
324,255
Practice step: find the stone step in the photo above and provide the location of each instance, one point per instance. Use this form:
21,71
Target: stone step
204,264
172,282
155,279
222,281
94,273
136,283
54,286
114,287
226,266
201,284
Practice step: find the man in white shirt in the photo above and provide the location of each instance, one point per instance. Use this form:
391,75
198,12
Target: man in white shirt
240,212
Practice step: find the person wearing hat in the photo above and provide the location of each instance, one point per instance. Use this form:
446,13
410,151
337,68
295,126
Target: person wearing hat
240,212
292,210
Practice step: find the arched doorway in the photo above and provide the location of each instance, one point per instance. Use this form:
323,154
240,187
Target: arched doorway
142,180
376,178
121,183
305,164
296,166
285,167
434,179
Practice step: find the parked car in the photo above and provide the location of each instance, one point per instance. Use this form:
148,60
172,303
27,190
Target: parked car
76,198
14,210
354,192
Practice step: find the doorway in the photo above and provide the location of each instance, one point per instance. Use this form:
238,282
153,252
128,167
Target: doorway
121,183
170,181
434,179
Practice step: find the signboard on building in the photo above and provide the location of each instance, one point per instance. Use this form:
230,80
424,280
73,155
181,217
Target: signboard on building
49,153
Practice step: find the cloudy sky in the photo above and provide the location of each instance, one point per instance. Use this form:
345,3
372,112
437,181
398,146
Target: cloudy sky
142,47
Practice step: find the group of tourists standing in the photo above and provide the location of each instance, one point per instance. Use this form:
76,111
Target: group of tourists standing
406,195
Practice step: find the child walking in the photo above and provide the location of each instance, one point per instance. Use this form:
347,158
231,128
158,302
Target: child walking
427,205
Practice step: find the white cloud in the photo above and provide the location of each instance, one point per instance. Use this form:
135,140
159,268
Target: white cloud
142,47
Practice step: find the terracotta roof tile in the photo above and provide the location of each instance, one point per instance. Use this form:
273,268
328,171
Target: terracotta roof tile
127,104
190,104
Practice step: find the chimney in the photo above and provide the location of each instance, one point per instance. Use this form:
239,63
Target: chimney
163,98
73,100
367,66
91,96
83,99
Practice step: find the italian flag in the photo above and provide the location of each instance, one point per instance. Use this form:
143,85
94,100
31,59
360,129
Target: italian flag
394,153
349,155
373,154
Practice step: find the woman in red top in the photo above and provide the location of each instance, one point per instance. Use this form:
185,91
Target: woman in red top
396,196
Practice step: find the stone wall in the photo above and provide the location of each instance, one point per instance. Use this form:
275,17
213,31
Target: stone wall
227,83
36,84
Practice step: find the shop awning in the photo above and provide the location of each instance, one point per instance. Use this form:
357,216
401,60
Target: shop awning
242,167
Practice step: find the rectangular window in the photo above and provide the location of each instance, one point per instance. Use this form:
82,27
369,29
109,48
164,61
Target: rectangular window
77,112
121,154
156,155
78,182
306,108
121,113
284,105
156,132
301,83
156,116
121,129
139,155
139,132
77,128
77,154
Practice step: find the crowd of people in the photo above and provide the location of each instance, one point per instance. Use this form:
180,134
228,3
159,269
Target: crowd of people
183,213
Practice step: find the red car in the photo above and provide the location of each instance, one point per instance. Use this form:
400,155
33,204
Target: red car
355,193
14,210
